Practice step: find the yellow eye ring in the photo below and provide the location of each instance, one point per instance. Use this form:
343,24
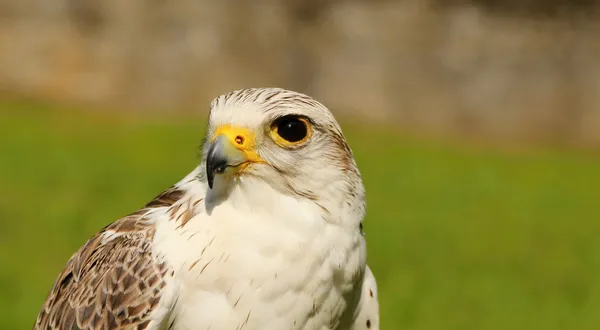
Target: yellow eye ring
290,131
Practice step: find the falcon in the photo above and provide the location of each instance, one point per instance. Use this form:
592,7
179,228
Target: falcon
266,233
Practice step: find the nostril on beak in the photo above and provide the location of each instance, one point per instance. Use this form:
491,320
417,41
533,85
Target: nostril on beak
239,140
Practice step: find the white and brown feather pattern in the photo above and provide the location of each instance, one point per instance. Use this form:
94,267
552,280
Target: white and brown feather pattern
113,281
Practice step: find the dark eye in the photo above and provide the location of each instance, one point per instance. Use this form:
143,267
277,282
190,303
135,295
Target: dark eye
292,129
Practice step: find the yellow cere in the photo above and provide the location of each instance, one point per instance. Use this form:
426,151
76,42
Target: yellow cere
240,138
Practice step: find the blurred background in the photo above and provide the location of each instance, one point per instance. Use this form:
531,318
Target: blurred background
476,125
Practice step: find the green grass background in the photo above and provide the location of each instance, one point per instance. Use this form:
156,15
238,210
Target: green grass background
458,237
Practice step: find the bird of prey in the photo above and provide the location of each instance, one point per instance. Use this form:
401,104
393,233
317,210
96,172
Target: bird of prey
266,233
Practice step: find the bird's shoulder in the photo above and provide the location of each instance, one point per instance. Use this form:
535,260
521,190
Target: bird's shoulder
112,281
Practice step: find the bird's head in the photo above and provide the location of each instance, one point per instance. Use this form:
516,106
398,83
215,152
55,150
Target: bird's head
284,138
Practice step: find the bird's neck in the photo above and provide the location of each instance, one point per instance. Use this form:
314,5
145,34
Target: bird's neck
339,203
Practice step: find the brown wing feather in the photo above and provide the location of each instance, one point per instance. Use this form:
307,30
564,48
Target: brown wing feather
111,282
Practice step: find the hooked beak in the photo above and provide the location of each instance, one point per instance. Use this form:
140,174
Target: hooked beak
230,150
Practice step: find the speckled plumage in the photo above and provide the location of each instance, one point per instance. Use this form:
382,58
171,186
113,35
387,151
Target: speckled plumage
112,282
278,246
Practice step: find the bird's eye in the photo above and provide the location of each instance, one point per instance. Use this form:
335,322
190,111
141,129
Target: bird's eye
290,130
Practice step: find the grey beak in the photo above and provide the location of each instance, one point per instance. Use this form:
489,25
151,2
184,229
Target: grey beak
216,160
221,156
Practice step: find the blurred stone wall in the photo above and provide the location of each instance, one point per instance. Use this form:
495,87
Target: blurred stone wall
444,69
